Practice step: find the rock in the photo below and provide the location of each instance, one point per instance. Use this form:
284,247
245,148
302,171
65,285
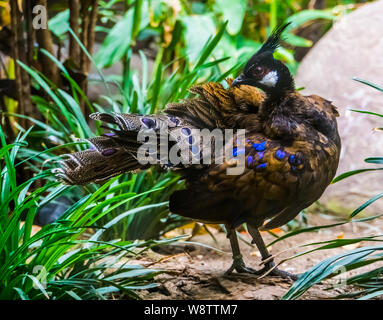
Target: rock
352,48
53,210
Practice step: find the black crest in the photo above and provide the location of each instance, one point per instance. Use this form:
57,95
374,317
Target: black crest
274,40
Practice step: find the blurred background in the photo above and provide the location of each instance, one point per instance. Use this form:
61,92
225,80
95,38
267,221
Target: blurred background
61,60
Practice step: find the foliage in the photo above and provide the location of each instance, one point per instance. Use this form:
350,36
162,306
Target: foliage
62,260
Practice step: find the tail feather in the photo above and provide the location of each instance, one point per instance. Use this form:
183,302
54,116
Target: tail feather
116,152
136,122
88,166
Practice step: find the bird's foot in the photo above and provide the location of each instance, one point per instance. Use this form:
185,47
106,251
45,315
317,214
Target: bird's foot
270,270
239,266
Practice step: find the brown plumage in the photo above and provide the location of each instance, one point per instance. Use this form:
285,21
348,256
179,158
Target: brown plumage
291,151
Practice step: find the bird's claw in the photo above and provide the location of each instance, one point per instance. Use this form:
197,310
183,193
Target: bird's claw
239,266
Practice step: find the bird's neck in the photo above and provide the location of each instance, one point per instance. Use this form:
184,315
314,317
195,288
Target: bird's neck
276,97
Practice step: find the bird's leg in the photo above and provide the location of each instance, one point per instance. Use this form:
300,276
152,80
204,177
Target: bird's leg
258,241
238,263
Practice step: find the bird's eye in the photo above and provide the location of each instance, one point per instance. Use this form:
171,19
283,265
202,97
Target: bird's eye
257,70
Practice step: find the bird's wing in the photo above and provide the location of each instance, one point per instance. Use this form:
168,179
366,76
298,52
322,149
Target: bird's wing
270,169
277,182
216,106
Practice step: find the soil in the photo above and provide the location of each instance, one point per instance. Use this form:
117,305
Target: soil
197,271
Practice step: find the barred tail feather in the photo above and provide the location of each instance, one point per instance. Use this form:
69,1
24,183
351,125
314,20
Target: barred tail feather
87,166
113,153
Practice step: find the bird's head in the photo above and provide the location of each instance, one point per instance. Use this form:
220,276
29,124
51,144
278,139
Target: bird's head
265,72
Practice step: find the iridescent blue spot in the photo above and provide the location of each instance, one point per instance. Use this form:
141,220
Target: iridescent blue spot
194,149
191,140
280,154
109,134
261,166
249,161
237,151
186,131
109,152
294,160
174,120
293,168
260,155
149,123
260,146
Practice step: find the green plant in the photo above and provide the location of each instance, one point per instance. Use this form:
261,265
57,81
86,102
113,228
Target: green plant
66,259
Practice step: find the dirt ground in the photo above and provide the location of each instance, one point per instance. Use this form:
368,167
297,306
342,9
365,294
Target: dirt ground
198,271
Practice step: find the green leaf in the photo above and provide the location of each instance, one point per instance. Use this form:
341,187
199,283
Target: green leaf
351,173
198,30
366,204
21,293
329,267
117,42
368,112
59,24
210,46
134,274
303,16
368,83
372,295
316,228
296,41
378,160
122,35
82,124
233,12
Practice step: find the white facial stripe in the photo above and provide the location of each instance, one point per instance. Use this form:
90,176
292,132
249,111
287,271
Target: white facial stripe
270,79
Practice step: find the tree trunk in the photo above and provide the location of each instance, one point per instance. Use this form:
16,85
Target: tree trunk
74,48
25,106
44,39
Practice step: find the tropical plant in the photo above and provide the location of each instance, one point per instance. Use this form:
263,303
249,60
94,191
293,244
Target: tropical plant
66,259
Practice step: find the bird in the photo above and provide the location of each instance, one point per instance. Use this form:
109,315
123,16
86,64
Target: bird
290,150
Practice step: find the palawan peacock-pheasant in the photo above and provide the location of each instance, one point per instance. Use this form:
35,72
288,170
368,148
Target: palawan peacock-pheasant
290,151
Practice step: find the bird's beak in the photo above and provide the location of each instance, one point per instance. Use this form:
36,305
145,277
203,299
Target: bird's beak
241,79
